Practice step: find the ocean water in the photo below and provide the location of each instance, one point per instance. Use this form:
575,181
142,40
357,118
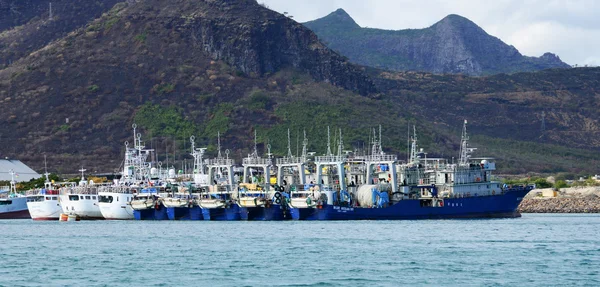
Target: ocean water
535,250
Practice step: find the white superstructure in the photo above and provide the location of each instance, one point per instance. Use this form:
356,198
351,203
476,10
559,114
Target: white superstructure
81,200
43,204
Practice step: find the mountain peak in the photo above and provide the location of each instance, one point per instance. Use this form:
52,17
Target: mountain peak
338,19
457,21
454,44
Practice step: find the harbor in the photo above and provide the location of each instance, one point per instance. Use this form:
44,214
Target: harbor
341,185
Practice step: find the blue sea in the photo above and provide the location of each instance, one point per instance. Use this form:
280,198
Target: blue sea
535,250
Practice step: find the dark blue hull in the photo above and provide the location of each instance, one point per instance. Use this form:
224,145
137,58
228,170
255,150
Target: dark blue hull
271,213
308,213
184,213
494,206
222,214
151,214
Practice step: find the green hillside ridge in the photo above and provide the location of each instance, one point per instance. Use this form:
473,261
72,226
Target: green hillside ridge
453,45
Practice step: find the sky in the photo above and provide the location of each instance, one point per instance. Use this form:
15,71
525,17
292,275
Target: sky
569,29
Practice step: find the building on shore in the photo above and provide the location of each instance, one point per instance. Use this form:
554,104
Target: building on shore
22,171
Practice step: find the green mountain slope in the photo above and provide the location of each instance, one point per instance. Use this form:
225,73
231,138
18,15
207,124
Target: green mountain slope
453,45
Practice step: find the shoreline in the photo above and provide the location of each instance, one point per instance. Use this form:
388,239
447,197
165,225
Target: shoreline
567,200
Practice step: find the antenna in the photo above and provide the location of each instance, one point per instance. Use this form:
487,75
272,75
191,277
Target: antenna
51,17
413,147
255,145
329,153
13,183
341,144
46,169
408,142
304,147
219,144
289,145
465,150
380,141
82,170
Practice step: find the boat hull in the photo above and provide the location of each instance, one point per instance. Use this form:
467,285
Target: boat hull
87,209
230,213
494,206
272,213
159,213
44,210
19,214
117,208
14,208
185,213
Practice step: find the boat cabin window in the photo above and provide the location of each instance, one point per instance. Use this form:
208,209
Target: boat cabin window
6,202
47,197
105,198
94,197
35,198
88,197
82,197
73,197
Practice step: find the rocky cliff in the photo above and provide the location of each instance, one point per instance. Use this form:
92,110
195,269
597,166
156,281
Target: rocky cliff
213,66
453,45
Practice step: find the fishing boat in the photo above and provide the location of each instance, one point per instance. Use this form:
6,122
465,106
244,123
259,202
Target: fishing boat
218,200
183,205
43,204
147,204
81,200
13,205
419,189
137,172
257,199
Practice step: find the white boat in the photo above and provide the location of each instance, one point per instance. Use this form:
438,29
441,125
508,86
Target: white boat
120,200
81,200
114,202
43,204
12,204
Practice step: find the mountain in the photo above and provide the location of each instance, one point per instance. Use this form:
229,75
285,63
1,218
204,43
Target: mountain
453,45
187,67
25,25
205,62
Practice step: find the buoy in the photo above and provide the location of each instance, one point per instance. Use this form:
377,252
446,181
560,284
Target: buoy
69,217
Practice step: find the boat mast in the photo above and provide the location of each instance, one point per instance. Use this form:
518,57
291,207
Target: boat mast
46,170
341,145
413,147
290,155
13,183
465,150
329,153
304,147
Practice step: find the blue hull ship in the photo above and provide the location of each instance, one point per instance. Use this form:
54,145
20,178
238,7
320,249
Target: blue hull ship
492,206
185,213
271,213
230,213
159,213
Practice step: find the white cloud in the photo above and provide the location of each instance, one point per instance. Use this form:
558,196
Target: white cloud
570,29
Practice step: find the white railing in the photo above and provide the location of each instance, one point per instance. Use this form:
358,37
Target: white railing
380,158
290,160
257,161
219,161
330,158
